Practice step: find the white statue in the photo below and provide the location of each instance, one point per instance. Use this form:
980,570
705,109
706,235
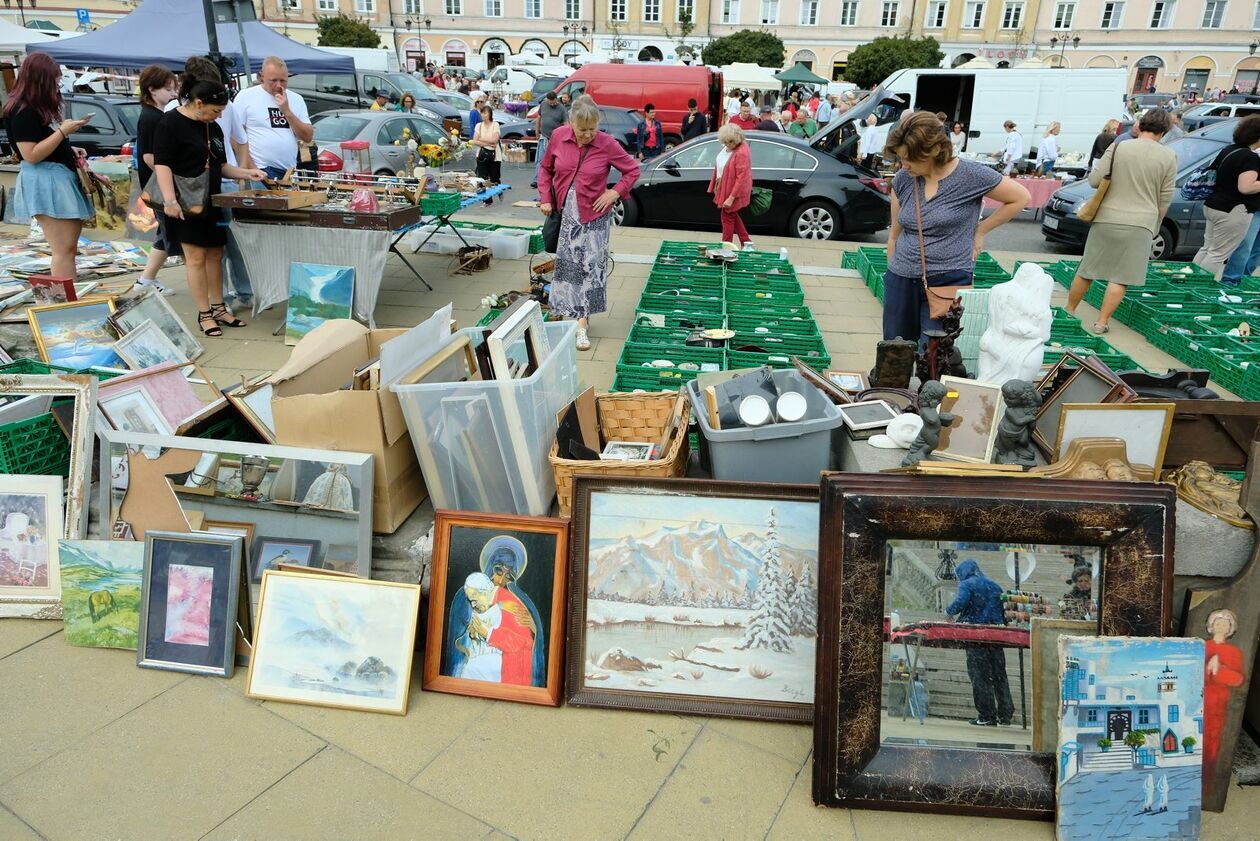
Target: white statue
1019,327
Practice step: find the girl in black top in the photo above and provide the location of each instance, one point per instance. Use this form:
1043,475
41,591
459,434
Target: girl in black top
1236,196
157,87
187,143
48,188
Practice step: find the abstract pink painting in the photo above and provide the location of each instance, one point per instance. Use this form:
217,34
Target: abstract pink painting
189,592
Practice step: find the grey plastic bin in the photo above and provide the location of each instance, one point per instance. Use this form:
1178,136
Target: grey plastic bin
777,452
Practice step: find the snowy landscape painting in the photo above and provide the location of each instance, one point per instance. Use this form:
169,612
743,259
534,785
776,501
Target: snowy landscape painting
702,596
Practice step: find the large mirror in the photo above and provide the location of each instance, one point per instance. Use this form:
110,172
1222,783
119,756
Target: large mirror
957,661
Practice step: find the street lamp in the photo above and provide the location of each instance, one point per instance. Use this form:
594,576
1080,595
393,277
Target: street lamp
573,29
1062,43
1255,45
22,9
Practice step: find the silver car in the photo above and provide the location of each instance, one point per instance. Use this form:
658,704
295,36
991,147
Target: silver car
510,126
379,128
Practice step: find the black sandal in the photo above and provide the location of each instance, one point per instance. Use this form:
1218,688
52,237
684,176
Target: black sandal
202,317
219,312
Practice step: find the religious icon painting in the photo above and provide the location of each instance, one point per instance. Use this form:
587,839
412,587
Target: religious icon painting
496,607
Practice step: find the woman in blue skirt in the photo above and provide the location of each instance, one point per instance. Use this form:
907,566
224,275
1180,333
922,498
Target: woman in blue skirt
48,188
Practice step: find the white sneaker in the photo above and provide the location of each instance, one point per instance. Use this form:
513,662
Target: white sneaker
748,246
583,341
162,289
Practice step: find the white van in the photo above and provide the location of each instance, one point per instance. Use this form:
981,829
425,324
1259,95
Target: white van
516,80
1082,100
366,58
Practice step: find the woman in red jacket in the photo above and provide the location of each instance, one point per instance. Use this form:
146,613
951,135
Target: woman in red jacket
731,184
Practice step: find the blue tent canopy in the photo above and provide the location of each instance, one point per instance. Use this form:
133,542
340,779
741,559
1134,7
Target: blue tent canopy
169,31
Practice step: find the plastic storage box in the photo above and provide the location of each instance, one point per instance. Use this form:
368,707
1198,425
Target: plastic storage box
483,445
778,452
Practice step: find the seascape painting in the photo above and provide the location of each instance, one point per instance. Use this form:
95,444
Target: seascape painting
317,293
189,594
334,641
1131,738
702,596
100,592
25,544
76,335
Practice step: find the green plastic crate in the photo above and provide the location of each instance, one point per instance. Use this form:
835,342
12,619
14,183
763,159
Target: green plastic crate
746,359
735,297
1113,359
646,334
647,381
635,356
768,311
774,284
848,259
439,203
680,318
35,446
681,289
775,324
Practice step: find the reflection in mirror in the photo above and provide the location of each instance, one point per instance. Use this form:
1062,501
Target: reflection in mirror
957,636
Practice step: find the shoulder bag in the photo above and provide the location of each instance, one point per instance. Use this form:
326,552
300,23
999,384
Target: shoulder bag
1090,207
940,298
192,193
551,225
1201,185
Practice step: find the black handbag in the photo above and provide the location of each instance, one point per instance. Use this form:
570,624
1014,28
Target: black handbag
192,193
551,224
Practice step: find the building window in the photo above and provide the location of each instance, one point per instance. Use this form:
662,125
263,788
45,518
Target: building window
326,5
1144,716
1161,14
533,8
454,7
291,5
936,15
770,12
617,10
687,7
1255,22
1012,15
1112,14
1174,714
888,17
1064,13
809,12
366,7
730,11
1213,12
1091,680
494,8
1091,714
572,9
412,7
848,13
973,15
651,11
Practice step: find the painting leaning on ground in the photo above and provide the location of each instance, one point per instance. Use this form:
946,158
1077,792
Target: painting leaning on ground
100,592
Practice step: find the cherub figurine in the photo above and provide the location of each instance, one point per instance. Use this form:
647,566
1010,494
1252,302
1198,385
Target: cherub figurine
929,438
1014,436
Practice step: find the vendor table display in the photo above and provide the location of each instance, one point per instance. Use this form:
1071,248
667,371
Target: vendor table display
1039,190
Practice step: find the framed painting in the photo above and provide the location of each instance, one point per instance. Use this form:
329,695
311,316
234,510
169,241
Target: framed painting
48,290
1073,380
1151,787
978,408
75,335
269,552
317,293
867,414
1045,636
189,606
147,346
133,410
334,641
496,607
852,382
1143,427
693,597
182,392
30,525
1128,526
253,401
100,592
82,388
152,306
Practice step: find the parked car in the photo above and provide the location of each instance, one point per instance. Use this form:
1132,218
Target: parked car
332,91
379,128
543,84
621,123
1144,101
111,123
518,79
815,195
510,126
1216,112
1181,234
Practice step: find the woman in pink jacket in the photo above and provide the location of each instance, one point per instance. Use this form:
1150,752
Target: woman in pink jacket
573,181
731,184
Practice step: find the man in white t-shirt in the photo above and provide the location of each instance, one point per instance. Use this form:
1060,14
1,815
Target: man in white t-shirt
275,120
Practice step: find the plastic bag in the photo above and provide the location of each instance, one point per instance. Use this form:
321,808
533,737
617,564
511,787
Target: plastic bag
364,200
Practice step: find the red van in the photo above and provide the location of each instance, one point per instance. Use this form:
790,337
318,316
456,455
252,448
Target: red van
667,86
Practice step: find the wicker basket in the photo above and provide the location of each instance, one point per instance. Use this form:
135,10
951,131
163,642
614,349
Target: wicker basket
628,417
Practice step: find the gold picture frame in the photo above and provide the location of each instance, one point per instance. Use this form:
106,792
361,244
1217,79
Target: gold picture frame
1072,427
108,357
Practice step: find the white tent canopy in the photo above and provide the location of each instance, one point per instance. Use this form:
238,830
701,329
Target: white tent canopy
14,38
747,75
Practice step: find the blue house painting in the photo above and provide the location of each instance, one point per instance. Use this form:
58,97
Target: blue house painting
1112,687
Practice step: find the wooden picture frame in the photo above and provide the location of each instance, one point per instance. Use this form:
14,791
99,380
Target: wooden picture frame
524,322
1146,438
239,396
1085,383
833,392
1131,523
488,533
640,500
1044,642
966,398
450,350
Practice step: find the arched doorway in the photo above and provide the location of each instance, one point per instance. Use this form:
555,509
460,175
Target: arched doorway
962,58
496,52
839,62
1101,61
571,50
455,53
1146,78
1198,73
650,53
416,53
1247,75
805,57
536,47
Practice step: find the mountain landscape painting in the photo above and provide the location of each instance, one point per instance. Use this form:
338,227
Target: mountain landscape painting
100,592
702,596
316,294
334,641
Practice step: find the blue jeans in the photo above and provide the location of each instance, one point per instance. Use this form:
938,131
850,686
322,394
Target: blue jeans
538,155
274,172
906,313
235,276
1246,257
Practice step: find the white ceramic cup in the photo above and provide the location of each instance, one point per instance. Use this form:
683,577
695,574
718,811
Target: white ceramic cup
754,410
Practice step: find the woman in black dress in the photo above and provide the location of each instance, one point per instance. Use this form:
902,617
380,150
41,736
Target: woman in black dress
187,143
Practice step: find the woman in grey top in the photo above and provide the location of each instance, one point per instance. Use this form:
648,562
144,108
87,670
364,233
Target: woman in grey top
950,192
1118,247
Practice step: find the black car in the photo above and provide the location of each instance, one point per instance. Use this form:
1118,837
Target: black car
621,123
816,195
1181,234
111,123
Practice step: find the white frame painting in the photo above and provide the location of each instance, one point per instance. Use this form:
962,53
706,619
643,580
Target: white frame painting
153,306
22,549
127,410
147,347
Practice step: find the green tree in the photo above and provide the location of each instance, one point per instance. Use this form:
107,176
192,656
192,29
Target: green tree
873,62
342,30
749,45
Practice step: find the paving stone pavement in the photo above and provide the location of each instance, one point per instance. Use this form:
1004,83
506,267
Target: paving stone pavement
93,748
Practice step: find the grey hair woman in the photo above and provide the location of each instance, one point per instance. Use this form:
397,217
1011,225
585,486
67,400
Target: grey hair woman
573,181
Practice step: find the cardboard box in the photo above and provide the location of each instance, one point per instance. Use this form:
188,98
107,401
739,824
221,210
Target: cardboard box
312,410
